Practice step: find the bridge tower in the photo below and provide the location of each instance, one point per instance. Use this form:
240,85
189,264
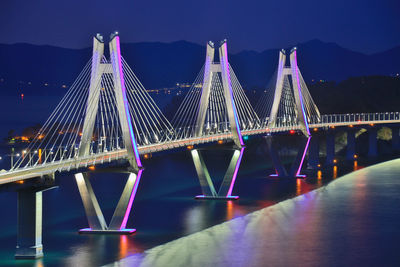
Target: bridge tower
290,82
215,72
292,109
97,223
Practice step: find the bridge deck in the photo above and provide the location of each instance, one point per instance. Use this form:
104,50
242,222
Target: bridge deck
100,158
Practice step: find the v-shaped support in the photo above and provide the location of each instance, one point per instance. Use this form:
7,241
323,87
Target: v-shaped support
97,223
295,168
206,183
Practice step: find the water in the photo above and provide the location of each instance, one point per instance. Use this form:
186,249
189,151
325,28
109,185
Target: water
353,221
164,209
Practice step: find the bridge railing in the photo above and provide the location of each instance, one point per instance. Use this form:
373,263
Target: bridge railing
357,117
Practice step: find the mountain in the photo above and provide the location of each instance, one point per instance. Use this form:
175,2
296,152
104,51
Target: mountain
39,70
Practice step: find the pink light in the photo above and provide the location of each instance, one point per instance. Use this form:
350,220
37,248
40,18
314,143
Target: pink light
132,197
131,132
235,172
217,197
226,66
302,158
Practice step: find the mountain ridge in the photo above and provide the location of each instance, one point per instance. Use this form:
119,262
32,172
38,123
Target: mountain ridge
161,65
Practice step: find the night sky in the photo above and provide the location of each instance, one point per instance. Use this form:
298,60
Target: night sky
361,25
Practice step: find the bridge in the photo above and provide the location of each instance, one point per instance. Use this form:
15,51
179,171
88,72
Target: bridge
107,118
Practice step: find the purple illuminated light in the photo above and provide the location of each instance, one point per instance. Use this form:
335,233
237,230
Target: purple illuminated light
226,66
131,132
132,197
302,158
217,197
235,172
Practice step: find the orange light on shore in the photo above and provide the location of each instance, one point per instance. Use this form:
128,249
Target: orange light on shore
335,161
371,124
20,182
351,126
146,156
220,142
92,168
332,127
315,129
190,147
22,96
355,156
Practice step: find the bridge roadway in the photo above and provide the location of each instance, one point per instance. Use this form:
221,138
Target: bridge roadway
99,158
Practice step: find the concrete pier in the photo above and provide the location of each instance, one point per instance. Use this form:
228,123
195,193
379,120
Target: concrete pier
351,144
372,142
313,152
29,238
395,138
330,148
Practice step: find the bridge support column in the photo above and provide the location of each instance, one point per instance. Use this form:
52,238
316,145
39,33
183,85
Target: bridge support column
297,164
29,239
395,138
372,142
313,153
206,183
351,144
330,148
97,223
280,170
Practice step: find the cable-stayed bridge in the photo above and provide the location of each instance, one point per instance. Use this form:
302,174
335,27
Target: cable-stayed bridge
107,116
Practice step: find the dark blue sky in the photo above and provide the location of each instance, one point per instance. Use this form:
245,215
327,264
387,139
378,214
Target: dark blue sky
361,25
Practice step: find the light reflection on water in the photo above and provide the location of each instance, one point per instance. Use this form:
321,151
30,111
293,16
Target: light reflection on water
229,210
319,178
343,224
335,172
158,221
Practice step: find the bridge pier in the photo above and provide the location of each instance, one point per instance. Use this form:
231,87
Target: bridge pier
351,144
297,164
330,148
206,183
29,237
372,142
97,223
395,138
313,152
